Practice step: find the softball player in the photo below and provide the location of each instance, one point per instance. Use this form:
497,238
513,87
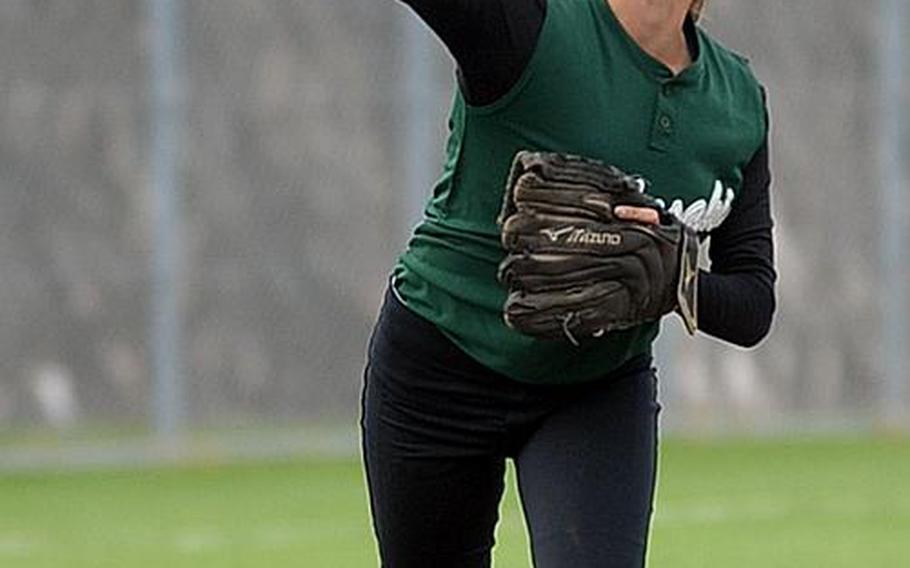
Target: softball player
450,391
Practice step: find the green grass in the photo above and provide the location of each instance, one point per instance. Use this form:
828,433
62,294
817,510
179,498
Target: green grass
720,504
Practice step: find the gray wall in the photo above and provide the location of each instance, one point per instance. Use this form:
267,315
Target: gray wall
294,207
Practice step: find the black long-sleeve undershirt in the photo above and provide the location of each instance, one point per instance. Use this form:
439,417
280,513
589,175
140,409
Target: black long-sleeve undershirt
492,42
736,299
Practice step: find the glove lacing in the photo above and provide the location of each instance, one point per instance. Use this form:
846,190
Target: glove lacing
564,321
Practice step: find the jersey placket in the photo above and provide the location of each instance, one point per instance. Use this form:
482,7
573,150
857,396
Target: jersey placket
663,125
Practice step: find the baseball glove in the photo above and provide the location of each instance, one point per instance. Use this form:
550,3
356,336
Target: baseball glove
572,268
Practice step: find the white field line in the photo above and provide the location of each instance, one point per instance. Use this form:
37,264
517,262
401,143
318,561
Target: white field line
719,513
273,536
277,536
16,544
199,539
771,508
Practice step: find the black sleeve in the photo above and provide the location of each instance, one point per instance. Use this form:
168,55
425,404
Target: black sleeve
736,299
491,40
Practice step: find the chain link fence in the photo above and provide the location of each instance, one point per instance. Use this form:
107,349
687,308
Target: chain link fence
293,205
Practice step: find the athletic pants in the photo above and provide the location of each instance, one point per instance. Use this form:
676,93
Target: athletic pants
437,428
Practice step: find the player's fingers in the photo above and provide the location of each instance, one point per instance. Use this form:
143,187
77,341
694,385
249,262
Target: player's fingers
637,214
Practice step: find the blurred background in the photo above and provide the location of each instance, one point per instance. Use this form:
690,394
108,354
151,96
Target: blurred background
200,203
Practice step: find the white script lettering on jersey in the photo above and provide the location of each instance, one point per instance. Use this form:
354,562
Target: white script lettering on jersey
703,215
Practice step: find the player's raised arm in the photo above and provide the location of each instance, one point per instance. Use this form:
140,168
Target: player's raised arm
491,40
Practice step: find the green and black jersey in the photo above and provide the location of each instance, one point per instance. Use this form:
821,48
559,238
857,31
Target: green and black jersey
584,86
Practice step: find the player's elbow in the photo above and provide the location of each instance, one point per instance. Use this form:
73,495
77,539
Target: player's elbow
736,308
748,341
752,335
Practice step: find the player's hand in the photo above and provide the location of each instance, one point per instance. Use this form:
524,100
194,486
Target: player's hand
644,215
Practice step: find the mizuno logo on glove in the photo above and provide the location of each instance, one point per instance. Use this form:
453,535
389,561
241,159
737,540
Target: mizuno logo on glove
554,234
583,236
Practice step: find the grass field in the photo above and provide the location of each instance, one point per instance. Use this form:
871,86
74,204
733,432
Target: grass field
843,503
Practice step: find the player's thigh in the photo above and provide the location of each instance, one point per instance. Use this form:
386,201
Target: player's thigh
431,446
434,501
439,513
586,477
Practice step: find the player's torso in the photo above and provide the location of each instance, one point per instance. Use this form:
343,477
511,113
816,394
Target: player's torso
589,90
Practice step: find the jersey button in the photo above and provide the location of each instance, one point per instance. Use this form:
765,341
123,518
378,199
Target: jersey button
667,89
665,122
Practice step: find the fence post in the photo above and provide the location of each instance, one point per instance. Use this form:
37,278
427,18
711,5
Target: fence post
893,209
416,112
167,95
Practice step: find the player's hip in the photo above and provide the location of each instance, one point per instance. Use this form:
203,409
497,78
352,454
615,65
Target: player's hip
435,400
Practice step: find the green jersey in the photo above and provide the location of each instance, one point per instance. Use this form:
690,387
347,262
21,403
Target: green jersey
588,89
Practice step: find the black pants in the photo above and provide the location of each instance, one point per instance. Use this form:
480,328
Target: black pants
437,427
